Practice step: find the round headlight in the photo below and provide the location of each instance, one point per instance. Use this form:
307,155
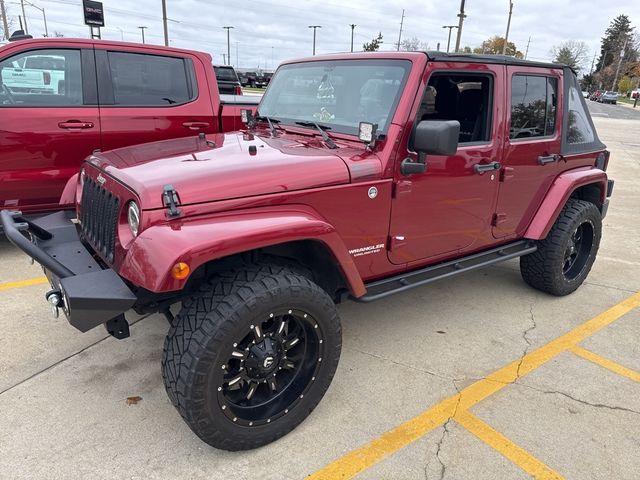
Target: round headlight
133,216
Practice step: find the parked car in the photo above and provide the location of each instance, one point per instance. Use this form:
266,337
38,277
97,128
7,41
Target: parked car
608,97
254,79
585,94
635,94
228,82
595,95
355,179
61,99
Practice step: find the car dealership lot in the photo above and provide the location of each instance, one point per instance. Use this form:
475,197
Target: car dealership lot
529,405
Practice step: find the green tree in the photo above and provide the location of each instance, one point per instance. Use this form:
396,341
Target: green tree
619,31
571,53
373,45
625,84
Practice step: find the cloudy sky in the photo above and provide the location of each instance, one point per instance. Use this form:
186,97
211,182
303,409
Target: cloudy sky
269,31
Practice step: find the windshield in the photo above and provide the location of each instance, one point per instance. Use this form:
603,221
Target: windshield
337,93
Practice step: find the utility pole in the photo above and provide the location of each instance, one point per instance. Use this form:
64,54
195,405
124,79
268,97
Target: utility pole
5,23
450,27
237,61
44,16
615,79
353,26
224,58
314,36
506,36
400,34
142,30
24,17
462,16
592,62
164,23
527,50
228,29
272,65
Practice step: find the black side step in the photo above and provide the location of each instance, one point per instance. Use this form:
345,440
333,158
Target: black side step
405,281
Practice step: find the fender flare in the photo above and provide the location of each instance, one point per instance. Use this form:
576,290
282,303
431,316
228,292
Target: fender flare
561,189
70,193
199,240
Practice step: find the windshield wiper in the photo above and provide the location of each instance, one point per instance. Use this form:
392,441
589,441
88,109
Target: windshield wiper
327,139
271,122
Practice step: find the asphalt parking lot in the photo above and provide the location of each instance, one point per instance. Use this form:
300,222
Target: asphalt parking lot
474,377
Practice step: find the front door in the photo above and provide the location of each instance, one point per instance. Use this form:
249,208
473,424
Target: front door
448,209
531,153
48,124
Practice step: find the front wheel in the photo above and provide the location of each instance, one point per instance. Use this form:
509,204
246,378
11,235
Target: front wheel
249,358
563,259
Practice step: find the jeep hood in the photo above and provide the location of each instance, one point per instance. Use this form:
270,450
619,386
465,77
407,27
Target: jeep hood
224,166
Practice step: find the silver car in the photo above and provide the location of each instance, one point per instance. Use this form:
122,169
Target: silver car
608,97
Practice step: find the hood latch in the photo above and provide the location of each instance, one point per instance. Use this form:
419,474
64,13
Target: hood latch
171,201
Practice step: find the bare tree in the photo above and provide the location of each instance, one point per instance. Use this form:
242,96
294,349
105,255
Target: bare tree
572,53
10,23
58,34
413,44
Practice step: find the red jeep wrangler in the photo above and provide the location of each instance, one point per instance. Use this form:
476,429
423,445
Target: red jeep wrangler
361,175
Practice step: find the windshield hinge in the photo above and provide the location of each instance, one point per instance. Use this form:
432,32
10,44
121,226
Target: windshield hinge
171,201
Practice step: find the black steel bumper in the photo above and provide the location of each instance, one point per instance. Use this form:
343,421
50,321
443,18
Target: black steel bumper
89,294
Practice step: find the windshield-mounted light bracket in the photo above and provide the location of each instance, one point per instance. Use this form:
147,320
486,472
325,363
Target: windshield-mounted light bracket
246,117
367,133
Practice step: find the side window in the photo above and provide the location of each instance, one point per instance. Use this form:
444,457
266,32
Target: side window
578,128
150,80
466,98
42,78
534,102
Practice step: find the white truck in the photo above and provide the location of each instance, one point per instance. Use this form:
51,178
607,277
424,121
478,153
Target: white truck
35,74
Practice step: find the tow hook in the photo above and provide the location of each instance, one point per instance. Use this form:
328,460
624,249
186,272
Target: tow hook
55,301
118,327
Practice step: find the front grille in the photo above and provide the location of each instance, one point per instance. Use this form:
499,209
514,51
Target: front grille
99,217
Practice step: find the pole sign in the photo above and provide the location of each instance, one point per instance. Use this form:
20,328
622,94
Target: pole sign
93,13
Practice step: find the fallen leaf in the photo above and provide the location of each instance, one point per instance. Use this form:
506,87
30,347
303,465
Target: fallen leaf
133,400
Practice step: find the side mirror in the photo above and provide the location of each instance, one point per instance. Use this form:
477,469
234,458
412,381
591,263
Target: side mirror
432,137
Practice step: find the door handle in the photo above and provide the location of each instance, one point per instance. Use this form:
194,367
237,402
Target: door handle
544,159
195,125
75,124
486,167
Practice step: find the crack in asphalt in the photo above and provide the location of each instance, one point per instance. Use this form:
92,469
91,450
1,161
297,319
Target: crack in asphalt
445,433
579,400
533,326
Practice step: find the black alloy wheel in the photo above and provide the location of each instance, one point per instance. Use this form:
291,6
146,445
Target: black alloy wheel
577,251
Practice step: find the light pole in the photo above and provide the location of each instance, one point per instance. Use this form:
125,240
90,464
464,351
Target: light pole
121,34
461,16
314,36
450,27
164,23
228,29
24,17
44,16
353,26
142,30
506,36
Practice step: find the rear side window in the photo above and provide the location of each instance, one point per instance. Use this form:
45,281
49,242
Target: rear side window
578,126
534,102
149,80
42,78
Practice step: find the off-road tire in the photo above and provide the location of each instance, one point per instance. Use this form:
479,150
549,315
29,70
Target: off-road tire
210,321
543,269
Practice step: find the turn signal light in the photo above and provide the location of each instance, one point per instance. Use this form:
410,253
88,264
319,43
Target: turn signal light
180,271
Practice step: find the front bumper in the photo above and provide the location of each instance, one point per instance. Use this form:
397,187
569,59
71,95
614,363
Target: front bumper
90,294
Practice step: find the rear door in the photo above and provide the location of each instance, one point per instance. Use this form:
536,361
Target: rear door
147,96
531,152
49,122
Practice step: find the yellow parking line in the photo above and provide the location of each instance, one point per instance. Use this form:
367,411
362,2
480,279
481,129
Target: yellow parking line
606,363
506,447
390,442
23,283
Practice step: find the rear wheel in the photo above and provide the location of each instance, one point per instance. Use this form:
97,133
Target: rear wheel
249,358
563,259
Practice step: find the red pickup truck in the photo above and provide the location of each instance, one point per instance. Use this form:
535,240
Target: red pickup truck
362,175
62,99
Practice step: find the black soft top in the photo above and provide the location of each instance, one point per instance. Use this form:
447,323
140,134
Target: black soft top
437,56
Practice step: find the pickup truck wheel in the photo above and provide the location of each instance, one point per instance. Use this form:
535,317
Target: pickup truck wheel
249,358
563,259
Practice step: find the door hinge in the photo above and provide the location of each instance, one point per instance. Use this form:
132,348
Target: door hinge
506,174
401,188
498,218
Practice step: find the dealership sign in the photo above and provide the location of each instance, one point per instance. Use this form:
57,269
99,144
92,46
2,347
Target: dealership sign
93,13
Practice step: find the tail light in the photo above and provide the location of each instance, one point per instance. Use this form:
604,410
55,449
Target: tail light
46,77
238,90
602,160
